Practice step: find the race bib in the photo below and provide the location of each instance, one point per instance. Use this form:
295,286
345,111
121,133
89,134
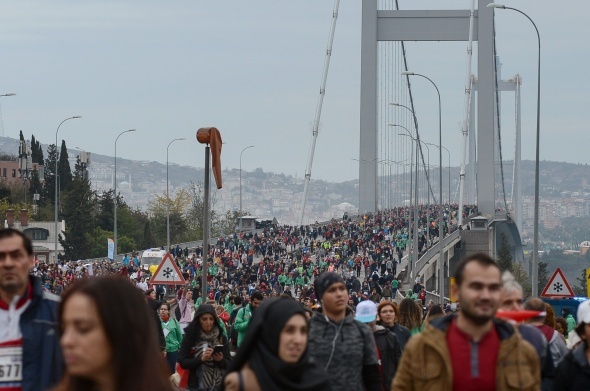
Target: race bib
11,368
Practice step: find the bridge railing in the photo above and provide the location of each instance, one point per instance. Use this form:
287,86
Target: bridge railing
434,250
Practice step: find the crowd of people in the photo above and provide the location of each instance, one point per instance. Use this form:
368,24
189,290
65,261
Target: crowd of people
291,308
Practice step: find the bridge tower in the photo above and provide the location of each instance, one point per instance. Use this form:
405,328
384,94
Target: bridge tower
426,25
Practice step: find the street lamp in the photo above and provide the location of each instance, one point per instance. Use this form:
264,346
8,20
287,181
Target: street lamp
250,146
115,185
168,197
415,235
449,153
535,265
428,180
441,283
55,174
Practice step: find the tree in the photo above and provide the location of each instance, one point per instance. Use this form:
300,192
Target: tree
226,224
148,237
504,253
97,242
35,185
36,151
522,277
196,209
106,210
543,276
63,168
179,206
78,211
580,289
48,193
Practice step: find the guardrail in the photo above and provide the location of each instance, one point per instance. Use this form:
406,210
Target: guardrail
434,250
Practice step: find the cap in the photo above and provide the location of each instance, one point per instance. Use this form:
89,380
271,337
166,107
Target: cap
366,311
584,313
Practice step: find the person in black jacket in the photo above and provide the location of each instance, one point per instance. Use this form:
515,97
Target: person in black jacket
388,314
388,347
573,372
204,350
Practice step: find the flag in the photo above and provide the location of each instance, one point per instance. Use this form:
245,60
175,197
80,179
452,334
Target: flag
110,249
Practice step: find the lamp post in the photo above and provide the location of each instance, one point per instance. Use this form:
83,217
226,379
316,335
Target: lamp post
168,196
115,185
428,184
535,263
441,282
415,235
449,167
55,174
250,146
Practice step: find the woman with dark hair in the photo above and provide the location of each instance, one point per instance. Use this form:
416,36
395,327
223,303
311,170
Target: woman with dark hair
204,351
109,343
434,312
388,317
410,315
273,355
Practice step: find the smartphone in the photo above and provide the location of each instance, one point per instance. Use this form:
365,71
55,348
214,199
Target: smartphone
218,349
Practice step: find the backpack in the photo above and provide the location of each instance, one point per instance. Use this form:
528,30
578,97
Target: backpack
233,333
177,313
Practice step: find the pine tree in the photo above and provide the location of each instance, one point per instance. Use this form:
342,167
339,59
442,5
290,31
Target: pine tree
40,158
78,209
63,168
504,253
580,289
543,276
106,211
48,193
22,138
34,150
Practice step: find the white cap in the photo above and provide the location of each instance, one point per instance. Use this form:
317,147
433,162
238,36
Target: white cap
584,312
366,311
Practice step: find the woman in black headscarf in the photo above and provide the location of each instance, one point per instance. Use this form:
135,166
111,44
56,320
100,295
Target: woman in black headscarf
273,355
204,351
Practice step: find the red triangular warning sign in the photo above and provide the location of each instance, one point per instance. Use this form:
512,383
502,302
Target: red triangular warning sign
167,273
558,286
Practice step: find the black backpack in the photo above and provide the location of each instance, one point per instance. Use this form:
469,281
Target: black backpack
177,312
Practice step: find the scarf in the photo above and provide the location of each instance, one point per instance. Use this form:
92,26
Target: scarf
165,318
260,350
209,374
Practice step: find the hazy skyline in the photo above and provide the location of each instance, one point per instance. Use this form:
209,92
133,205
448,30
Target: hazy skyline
253,70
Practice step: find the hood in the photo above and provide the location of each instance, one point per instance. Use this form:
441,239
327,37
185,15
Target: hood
205,309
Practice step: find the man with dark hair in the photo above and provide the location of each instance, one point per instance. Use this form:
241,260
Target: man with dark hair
245,314
341,345
30,356
472,350
557,347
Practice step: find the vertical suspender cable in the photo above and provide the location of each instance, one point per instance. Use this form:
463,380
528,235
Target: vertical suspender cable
318,113
468,85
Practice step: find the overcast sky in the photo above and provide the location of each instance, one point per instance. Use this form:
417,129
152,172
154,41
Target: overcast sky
253,69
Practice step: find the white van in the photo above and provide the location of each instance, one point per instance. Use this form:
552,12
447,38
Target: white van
152,256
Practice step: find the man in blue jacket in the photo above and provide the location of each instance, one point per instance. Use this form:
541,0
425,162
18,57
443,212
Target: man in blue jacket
29,333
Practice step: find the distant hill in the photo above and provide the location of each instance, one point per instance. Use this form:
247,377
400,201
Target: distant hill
267,194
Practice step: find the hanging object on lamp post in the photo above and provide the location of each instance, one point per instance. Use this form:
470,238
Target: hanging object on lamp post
212,140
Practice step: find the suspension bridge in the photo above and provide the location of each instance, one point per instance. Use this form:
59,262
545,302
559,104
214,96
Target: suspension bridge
394,161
